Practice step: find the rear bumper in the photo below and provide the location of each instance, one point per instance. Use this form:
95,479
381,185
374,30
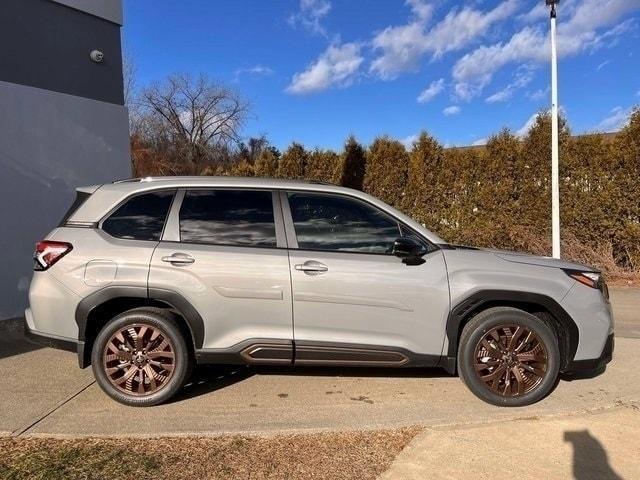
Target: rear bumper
53,341
48,340
596,363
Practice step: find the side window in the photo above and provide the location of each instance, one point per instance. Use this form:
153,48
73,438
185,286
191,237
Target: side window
338,223
228,217
140,218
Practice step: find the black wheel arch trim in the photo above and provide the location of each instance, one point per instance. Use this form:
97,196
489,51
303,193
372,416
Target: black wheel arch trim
170,298
484,298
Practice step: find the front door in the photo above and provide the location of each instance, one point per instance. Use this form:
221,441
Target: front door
224,252
351,295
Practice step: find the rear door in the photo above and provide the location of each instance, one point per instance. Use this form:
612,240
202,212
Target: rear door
224,251
350,293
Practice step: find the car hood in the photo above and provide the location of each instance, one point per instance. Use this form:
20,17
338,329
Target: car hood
518,257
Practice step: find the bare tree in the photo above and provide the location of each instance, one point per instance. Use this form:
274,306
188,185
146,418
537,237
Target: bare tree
197,117
128,79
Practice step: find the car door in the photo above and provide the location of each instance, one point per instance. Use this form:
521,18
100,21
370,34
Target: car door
353,300
224,252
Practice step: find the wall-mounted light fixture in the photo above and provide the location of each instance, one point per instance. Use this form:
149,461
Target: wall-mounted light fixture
96,56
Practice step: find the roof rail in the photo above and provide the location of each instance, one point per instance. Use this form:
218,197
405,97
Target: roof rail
133,180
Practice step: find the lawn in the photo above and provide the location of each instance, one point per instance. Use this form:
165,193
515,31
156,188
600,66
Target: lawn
361,455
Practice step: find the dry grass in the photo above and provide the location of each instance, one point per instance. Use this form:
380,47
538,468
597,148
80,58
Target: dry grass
358,455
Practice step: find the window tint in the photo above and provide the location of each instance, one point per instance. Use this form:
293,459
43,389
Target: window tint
228,217
338,223
140,218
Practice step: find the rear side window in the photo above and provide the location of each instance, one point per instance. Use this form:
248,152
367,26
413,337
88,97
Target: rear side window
228,217
140,218
80,199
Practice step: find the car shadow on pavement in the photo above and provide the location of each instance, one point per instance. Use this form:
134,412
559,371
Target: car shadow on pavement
590,459
209,378
12,339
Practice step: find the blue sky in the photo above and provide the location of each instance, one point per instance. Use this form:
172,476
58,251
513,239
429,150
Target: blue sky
316,71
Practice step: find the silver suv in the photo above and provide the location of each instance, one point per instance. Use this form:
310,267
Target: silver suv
145,278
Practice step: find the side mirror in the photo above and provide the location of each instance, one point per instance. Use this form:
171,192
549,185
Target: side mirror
409,250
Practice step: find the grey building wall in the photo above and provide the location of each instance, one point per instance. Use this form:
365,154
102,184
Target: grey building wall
62,122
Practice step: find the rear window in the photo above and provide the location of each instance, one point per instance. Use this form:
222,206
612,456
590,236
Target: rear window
141,217
80,199
228,217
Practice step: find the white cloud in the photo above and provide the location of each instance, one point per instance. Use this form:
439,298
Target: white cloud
452,110
310,15
580,31
521,132
431,91
255,71
538,12
603,64
522,78
539,94
409,141
480,141
618,117
335,67
420,9
400,48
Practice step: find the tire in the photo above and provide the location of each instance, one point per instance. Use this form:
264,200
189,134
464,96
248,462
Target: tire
145,373
500,359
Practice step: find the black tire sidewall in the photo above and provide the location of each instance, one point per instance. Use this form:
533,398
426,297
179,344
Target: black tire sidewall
482,324
158,319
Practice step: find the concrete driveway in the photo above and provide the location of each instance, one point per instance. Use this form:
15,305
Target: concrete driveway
44,393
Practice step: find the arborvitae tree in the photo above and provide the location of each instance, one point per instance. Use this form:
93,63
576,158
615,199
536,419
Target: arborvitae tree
386,172
626,206
293,162
535,172
241,169
497,196
353,164
424,198
267,164
324,166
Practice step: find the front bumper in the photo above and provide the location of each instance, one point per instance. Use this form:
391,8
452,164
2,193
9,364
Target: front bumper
595,364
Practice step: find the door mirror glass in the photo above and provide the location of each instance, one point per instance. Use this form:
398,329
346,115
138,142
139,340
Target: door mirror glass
410,250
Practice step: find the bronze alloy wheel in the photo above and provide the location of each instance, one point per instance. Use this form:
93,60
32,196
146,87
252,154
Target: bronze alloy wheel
511,360
139,359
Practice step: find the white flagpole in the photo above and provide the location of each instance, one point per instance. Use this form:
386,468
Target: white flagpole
555,190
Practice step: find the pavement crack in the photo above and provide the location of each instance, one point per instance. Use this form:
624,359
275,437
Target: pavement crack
24,429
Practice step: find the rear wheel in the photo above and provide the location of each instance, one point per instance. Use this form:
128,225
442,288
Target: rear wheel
508,357
140,358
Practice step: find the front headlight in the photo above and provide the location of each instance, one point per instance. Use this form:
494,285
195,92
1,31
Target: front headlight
590,279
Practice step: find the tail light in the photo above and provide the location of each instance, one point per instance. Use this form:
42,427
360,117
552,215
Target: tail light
49,252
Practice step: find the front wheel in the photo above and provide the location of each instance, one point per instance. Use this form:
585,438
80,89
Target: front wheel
140,358
508,357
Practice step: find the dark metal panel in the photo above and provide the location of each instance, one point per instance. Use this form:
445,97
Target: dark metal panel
47,45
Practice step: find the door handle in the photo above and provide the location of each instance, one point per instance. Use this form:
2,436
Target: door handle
178,259
311,267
